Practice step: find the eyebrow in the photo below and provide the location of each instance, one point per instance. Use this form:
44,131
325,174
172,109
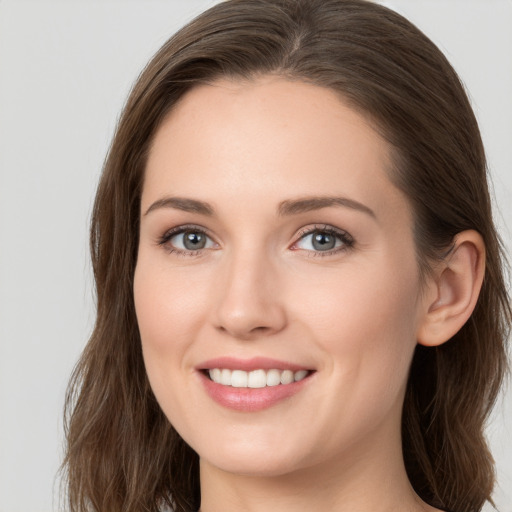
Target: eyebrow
285,208
184,204
307,204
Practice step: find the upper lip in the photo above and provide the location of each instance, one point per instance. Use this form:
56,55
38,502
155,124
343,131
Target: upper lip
254,363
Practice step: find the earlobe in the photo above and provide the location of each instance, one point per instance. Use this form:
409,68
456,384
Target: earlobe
454,290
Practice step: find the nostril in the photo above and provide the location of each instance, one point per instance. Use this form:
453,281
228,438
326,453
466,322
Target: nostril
244,332
260,329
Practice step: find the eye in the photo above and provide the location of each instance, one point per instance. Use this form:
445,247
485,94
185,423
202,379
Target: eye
187,240
324,239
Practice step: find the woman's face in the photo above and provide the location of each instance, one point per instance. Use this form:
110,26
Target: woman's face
274,247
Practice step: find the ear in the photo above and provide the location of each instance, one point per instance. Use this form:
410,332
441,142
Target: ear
453,291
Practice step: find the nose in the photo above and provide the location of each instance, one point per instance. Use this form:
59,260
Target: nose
250,299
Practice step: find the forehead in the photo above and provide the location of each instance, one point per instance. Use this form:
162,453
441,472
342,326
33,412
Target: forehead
270,138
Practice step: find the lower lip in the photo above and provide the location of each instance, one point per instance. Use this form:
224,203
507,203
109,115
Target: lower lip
250,399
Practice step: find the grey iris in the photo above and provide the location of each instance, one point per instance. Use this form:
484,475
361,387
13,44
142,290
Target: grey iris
323,241
193,240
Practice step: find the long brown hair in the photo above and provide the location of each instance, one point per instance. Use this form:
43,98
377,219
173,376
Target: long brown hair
122,453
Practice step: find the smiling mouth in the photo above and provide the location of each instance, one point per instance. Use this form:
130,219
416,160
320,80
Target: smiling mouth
255,379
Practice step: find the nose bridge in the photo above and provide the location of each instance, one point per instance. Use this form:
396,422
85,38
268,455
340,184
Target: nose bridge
249,301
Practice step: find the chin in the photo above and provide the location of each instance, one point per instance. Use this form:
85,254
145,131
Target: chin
260,467
250,458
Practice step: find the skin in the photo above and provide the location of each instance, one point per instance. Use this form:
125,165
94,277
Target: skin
259,288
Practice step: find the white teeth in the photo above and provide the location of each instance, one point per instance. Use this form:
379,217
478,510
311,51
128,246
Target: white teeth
287,377
273,377
299,375
239,379
256,378
216,374
225,377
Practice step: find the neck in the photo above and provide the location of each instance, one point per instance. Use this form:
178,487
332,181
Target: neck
369,477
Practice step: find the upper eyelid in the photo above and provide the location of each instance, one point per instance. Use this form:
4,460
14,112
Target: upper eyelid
186,227
303,231
177,230
346,238
323,227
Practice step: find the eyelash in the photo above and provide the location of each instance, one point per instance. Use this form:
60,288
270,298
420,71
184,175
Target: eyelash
346,239
177,231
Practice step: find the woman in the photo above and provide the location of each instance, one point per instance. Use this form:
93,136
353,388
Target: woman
300,293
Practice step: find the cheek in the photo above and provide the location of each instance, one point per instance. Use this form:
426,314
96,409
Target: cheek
365,317
168,303
169,309
169,313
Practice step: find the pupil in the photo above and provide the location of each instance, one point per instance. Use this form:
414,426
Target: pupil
194,241
323,241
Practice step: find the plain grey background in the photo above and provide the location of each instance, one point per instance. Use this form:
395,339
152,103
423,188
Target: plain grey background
65,70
